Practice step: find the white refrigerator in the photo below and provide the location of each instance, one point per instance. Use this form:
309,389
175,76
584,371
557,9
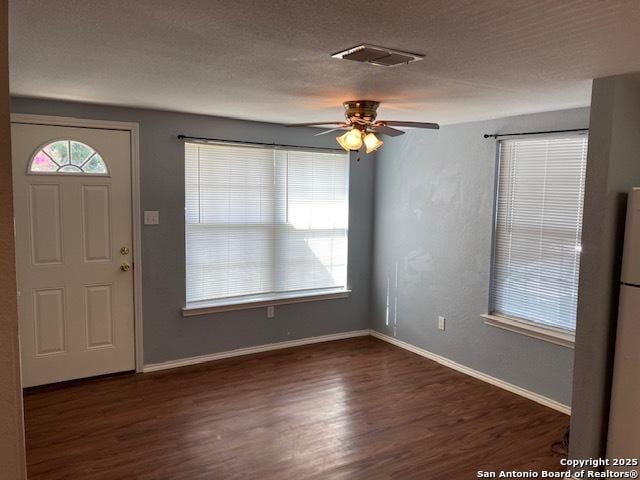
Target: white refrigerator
624,417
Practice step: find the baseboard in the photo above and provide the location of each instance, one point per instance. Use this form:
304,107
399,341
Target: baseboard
183,362
542,400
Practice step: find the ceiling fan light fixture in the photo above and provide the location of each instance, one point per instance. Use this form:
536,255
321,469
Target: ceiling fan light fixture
371,142
352,140
363,126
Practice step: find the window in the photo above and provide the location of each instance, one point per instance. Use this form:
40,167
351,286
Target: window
67,157
263,222
538,228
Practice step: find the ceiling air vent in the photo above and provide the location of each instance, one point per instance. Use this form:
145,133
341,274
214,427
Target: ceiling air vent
382,56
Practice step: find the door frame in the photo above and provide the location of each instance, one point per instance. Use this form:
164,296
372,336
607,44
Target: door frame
134,130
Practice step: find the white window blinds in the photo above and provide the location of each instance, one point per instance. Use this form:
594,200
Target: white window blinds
538,229
264,221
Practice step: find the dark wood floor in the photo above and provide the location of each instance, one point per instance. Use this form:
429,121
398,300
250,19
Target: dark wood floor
350,409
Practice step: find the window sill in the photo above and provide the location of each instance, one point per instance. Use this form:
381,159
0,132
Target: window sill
229,305
548,334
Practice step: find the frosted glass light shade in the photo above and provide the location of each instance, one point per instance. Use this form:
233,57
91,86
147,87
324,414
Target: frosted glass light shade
372,143
352,140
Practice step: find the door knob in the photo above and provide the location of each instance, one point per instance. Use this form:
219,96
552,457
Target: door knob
124,251
125,267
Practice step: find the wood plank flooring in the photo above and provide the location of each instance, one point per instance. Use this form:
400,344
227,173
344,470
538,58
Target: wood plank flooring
350,409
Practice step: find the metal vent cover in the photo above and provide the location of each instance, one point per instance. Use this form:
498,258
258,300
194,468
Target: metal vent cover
375,55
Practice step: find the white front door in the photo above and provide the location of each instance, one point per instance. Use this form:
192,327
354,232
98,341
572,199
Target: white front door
72,196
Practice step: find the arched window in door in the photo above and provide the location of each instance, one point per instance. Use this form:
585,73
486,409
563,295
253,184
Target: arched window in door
67,157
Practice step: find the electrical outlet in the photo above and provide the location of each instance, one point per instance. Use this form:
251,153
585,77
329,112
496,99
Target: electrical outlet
441,322
151,217
271,311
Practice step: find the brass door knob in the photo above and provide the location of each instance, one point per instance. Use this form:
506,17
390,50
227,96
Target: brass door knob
125,267
124,251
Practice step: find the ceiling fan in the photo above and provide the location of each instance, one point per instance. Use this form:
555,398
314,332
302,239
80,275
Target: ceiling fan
361,126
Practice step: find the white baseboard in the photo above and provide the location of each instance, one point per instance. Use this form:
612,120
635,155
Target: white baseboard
547,402
183,362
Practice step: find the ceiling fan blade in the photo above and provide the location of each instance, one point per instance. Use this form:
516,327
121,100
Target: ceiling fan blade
399,123
384,130
313,124
329,131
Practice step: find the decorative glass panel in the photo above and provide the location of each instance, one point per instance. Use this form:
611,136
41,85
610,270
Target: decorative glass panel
43,163
95,165
70,168
80,152
68,157
58,151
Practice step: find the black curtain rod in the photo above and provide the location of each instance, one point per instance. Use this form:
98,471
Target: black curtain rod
205,139
496,135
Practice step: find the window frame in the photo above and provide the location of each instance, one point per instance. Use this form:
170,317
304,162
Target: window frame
258,300
549,333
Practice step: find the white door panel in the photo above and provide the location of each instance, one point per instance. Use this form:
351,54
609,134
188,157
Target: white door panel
75,302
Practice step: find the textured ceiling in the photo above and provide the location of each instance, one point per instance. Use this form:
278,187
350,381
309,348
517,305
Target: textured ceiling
270,60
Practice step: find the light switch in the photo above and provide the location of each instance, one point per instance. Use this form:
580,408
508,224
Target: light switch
151,217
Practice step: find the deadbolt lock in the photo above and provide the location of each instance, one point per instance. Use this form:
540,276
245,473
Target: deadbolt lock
125,267
124,250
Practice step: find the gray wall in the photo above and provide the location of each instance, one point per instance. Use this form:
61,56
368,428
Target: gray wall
613,167
167,335
432,251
